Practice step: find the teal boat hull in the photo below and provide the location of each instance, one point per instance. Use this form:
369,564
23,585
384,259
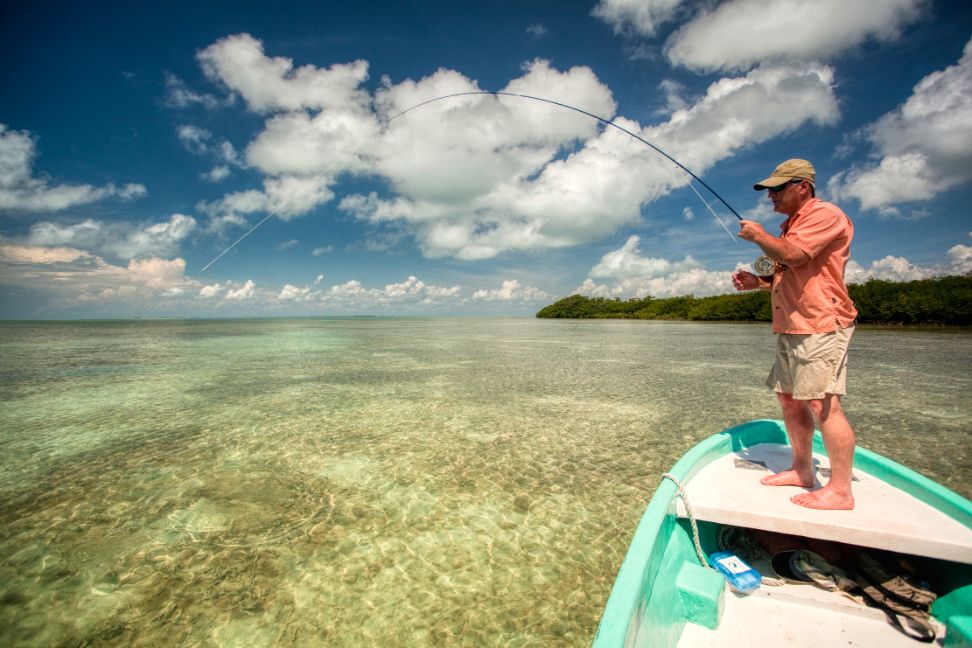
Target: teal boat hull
661,586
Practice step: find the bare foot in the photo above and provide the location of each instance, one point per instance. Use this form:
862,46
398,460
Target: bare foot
825,499
788,478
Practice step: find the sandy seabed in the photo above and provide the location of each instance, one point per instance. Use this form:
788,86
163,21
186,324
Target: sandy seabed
392,482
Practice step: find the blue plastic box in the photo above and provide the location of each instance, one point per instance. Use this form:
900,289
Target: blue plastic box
740,575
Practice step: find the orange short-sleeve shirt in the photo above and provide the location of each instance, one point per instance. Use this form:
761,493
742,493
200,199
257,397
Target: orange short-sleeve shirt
812,298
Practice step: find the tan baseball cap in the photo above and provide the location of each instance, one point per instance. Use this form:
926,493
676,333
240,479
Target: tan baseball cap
789,170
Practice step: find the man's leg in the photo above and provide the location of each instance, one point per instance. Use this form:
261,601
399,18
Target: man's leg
799,429
838,437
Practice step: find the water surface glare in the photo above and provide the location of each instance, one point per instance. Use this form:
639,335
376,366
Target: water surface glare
379,481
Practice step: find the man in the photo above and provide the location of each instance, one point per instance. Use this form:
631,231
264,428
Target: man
814,319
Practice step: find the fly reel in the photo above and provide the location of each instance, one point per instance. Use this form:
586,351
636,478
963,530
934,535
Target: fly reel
764,266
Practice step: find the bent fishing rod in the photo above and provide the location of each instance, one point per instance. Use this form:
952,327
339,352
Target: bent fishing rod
607,122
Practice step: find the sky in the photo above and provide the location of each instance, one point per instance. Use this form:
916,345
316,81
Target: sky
236,159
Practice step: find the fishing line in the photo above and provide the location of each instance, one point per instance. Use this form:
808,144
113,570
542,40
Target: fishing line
266,218
735,239
386,123
273,213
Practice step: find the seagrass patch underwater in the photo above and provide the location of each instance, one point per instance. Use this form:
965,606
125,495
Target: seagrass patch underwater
382,481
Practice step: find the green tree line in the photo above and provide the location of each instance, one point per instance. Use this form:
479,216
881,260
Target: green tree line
943,301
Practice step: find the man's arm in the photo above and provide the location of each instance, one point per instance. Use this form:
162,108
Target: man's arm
775,248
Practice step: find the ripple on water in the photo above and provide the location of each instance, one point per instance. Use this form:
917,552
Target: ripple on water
348,483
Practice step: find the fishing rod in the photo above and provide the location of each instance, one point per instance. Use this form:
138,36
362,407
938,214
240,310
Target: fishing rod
607,122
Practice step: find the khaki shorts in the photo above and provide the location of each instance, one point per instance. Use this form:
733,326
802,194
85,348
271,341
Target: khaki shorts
808,367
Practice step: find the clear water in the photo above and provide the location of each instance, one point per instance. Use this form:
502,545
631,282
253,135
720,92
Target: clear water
382,482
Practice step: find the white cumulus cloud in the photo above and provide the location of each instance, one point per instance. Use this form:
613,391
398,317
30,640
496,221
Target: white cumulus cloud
921,148
243,293
286,197
178,95
696,281
293,293
200,141
511,291
960,259
476,176
627,262
319,125
890,268
74,275
639,16
738,34
405,295
273,84
505,191
211,291
120,239
637,275
21,190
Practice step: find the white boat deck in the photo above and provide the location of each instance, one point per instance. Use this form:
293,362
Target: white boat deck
728,491
796,616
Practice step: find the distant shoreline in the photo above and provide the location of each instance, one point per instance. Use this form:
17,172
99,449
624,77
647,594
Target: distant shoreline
942,301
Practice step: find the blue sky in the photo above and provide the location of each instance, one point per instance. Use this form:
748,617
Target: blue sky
138,143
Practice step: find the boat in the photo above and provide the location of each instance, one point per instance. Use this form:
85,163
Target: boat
666,594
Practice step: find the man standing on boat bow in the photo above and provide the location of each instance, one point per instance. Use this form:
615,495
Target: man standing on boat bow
813,317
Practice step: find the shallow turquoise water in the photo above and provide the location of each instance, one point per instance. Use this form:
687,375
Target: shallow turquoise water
386,482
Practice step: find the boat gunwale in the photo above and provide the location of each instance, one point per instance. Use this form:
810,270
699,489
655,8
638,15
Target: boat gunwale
633,585
643,559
